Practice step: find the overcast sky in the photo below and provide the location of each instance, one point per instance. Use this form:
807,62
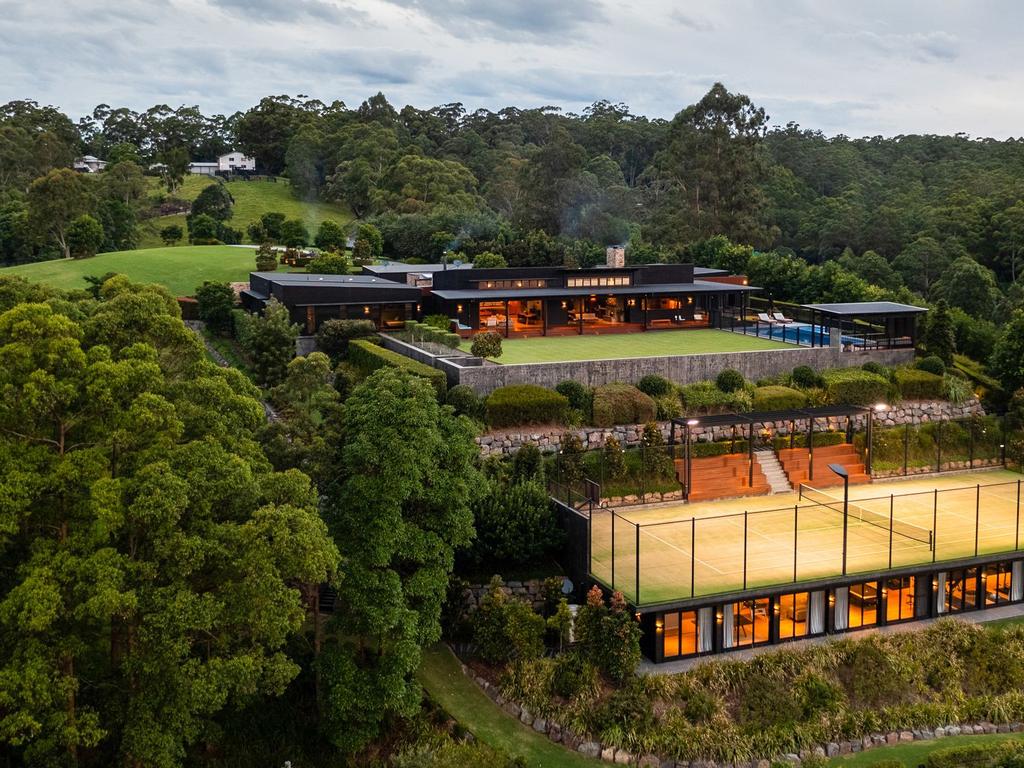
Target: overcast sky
860,68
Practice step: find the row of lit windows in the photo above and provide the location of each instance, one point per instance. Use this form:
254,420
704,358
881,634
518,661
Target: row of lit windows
490,284
597,282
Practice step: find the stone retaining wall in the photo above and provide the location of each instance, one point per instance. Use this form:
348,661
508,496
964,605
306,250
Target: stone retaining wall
548,440
530,591
611,753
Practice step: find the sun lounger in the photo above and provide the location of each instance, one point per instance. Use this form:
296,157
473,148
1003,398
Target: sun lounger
763,317
780,318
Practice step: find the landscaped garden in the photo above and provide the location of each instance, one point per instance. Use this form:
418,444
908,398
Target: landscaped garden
554,349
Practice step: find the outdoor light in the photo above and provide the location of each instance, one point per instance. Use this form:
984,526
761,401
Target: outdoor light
658,625
879,407
637,615
564,305
692,422
718,617
366,310
458,308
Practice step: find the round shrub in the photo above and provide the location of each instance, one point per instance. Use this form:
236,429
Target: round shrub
622,404
655,385
876,368
514,524
806,377
668,407
916,384
334,335
465,402
522,404
486,344
730,380
580,396
855,386
778,398
931,364
572,674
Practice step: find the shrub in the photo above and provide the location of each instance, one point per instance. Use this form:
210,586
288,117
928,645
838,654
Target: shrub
486,344
719,448
515,524
918,385
777,398
655,385
329,263
171,234
621,404
855,386
465,402
334,336
215,304
368,357
655,458
522,404
730,380
806,377
572,674
330,235
614,458
581,397
570,458
527,463
269,341
668,407
294,233
346,377
932,364
957,390
705,397
266,258
441,322
451,340
505,628
874,367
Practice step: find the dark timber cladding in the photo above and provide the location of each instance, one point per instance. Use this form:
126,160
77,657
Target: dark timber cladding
875,323
312,298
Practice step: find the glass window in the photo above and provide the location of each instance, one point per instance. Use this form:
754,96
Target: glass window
863,605
680,634
962,590
792,613
996,580
899,599
750,622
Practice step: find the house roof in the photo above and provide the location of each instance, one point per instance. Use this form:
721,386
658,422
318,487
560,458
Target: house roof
355,281
393,267
864,308
697,286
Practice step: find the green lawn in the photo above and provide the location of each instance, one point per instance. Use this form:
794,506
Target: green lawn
252,200
554,349
914,753
181,269
461,698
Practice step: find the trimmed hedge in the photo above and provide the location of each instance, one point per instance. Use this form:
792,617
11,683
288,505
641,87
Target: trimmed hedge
368,357
521,404
778,398
800,440
855,386
718,448
655,385
919,384
622,404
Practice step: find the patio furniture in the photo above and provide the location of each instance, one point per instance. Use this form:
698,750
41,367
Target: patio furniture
764,318
781,318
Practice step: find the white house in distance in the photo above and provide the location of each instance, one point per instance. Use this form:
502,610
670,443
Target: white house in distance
89,164
236,161
203,169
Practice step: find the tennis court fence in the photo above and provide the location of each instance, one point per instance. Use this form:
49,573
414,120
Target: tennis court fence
656,561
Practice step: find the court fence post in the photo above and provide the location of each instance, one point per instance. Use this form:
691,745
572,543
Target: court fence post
693,556
938,445
977,515
796,528
613,548
1016,535
745,517
935,524
636,591
906,447
890,527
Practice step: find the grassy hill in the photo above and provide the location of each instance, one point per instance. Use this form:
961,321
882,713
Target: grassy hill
252,200
181,269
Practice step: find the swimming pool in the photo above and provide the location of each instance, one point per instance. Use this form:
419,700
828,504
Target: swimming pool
800,333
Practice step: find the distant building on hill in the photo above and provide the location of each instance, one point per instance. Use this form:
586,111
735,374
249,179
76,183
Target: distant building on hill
203,169
89,164
236,161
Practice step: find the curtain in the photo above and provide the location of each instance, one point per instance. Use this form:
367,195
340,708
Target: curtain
1017,580
816,613
705,629
940,593
727,632
842,607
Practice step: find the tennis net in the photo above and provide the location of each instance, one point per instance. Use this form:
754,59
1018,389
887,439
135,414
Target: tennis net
857,512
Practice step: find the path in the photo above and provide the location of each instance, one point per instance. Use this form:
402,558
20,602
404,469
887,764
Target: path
442,676
974,617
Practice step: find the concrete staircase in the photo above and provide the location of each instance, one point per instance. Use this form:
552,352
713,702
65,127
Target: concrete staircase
773,471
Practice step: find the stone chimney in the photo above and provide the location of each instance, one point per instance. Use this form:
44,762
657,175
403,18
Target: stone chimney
615,256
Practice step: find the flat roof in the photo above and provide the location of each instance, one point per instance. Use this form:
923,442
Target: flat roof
698,286
398,266
305,278
855,308
710,271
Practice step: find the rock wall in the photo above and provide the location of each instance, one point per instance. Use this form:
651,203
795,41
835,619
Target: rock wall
530,591
548,440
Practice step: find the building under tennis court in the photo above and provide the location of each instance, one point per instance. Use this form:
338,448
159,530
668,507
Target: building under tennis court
836,554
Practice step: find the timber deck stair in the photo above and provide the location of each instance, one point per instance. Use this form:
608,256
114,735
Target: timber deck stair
796,463
721,477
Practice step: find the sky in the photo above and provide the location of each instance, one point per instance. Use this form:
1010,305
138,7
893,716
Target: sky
859,68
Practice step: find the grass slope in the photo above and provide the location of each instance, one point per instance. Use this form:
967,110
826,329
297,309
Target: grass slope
553,349
459,696
252,200
913,754
180,269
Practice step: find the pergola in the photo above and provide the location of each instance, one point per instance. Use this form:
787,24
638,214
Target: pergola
747,421
868,324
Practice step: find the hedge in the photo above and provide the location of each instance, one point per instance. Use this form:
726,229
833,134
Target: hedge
719,448
778,398
368,357
622,404
521,404
800,440
705,397
917,384
855,386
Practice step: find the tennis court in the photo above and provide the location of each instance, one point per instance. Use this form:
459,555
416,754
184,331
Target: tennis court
715,547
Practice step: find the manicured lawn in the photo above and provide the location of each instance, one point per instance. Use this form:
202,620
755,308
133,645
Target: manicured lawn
460,697
252,200
181,269
554,349
913,754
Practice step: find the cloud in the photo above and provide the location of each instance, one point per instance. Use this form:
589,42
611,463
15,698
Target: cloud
289,10
695,23
369,67
507,19
920,46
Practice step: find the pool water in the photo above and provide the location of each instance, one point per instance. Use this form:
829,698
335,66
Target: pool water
801,333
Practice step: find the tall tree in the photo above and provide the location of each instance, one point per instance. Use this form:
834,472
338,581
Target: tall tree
1009,234
55,201
400,509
